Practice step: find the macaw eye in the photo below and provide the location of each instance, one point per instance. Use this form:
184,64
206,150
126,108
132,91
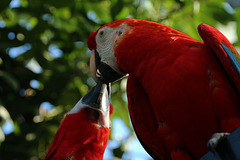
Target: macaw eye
101,34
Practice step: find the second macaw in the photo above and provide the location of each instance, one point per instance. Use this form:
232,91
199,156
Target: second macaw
180,91
84,132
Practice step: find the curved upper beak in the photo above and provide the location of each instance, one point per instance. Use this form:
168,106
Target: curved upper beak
102,71
98,97
94,62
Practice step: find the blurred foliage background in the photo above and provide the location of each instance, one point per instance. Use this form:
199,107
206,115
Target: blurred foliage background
44,63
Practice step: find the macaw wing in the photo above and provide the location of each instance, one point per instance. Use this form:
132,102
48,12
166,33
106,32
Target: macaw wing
224,50
145,125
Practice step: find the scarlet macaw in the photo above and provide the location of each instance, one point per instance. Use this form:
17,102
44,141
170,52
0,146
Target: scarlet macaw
179,93
84,132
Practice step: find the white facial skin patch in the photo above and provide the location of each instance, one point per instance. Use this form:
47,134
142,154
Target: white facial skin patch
106,39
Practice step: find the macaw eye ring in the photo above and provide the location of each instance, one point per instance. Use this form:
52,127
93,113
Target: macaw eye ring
119,33
101,33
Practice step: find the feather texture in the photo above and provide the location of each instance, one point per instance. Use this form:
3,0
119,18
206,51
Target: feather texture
78,137
178,91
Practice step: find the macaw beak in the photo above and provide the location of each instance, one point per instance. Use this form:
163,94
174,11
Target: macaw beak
98,97
102,71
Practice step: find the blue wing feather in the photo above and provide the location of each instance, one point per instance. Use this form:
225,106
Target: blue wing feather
232,59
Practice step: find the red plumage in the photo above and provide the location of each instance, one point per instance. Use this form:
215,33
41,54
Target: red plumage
215,39
178,91
91,41
79,137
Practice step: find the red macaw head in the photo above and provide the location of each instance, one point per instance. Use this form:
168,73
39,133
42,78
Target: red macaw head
102,42
117,43
96,100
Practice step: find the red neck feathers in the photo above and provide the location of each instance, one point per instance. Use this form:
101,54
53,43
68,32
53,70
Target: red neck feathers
143,39
78,138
